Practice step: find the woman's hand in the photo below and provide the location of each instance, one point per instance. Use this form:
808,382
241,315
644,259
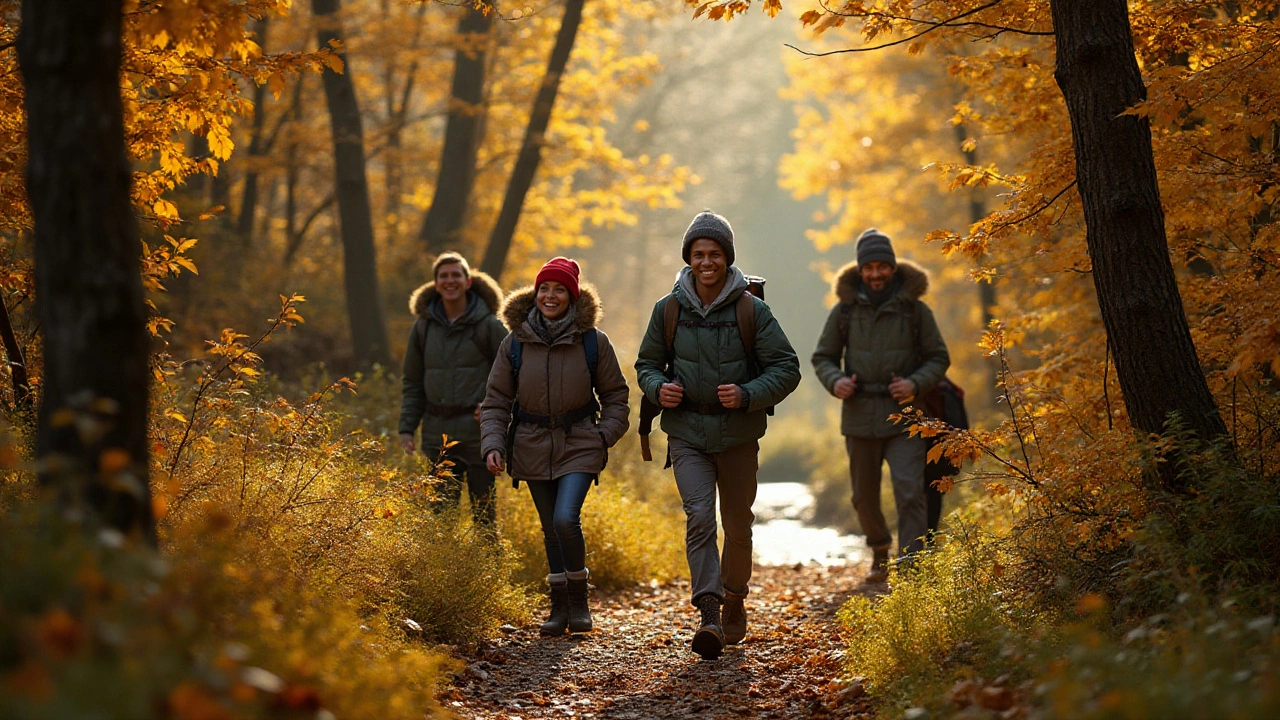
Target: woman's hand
406,443
493,461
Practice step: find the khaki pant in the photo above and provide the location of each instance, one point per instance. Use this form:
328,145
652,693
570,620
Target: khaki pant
906,458
700,475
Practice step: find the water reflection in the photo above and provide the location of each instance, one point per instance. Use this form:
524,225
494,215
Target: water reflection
780,536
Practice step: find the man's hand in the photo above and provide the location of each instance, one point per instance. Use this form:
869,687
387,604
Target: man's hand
902,389
670,395
406,443
493,461
845,387
730,396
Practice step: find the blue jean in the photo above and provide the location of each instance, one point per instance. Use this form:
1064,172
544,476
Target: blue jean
559,504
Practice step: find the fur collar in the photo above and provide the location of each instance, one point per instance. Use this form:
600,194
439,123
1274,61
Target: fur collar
518,304
915,281
485,288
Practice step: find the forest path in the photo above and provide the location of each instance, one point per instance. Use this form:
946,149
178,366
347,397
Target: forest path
637,663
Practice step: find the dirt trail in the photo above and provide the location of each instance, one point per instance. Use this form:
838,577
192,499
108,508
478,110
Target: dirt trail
637,663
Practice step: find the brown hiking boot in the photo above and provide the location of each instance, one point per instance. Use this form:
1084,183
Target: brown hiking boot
734,617
709,640
879,566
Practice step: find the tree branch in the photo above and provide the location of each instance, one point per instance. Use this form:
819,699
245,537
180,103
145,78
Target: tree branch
932,25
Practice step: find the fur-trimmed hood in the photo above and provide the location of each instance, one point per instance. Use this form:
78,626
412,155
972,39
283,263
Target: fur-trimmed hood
485,288
515,310
915,281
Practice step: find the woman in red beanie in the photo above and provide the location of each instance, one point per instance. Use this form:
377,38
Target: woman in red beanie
541,419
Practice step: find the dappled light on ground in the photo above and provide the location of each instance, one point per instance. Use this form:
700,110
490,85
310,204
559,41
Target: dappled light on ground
637,663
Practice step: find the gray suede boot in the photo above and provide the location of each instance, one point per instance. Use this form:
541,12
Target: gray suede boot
579,610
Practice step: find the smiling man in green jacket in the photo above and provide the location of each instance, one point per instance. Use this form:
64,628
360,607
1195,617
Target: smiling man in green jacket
714,396
446,367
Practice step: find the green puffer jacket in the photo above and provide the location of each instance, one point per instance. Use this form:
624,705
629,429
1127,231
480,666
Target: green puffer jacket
454,368
881,342
706,357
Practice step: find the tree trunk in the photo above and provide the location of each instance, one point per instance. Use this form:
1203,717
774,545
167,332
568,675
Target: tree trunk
17,363
249,194
92,429
355,217
495,256
1156,362
986,288
442,226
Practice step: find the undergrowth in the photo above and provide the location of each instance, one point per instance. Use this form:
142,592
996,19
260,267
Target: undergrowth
303,569
1091,590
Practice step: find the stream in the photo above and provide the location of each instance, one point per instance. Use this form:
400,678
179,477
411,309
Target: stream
780,536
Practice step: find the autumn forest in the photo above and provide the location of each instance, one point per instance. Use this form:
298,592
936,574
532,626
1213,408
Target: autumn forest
218,219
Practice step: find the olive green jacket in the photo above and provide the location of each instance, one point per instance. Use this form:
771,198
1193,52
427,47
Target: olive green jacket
878,344
707,357
447,365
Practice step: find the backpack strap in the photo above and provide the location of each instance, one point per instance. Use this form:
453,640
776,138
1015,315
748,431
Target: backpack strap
842,321
515,354
421,324
481,340
670,314
746,310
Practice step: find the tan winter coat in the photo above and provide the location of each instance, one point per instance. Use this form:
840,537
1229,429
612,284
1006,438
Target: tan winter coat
554,380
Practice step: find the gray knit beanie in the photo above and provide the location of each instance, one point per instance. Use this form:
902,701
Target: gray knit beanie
874,246
711,226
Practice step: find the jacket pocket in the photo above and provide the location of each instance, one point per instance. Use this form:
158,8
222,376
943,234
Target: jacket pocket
604,447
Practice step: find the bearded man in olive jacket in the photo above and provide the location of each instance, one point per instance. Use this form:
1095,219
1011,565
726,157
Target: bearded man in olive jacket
714,399
880,350
446,366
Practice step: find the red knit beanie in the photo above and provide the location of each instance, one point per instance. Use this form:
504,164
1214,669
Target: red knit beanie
561,270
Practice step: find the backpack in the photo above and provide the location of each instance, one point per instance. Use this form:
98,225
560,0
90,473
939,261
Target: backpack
944,402
515,353
745,310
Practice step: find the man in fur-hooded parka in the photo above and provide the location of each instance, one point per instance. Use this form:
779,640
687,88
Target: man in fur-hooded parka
554,380
879,350
446,365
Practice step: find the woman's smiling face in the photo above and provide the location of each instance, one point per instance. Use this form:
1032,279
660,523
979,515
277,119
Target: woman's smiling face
553,299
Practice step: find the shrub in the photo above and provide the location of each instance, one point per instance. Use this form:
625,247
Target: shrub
94,626
947,617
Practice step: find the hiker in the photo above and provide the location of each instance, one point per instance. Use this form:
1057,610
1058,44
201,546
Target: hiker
446,364
879,350
541,420
714,395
